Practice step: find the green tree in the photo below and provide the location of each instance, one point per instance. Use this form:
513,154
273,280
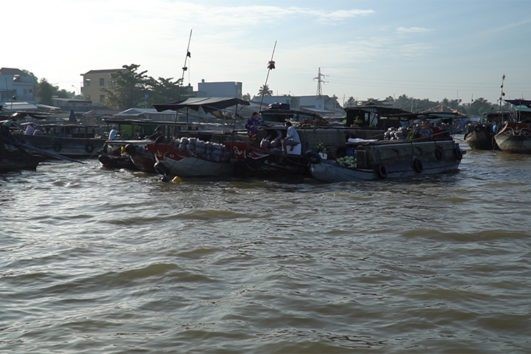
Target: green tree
131,88
481,106
166,90
45,92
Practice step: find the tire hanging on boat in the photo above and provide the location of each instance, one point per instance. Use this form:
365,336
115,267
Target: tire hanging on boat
417,165
89,147
381,171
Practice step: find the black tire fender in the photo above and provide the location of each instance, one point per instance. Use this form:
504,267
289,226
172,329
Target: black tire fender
89,147
417,165
381,171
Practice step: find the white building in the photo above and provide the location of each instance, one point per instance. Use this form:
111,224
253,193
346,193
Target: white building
16,85
230,89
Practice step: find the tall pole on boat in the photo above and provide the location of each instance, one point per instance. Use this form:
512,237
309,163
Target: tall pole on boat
270,66
502,94
188,55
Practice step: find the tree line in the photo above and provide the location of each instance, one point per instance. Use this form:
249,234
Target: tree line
477,107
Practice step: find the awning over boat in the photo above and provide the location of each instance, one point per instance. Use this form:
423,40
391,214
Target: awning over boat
520,102
208,104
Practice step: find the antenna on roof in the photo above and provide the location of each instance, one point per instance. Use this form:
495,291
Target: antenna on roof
270,66
320,81
188,55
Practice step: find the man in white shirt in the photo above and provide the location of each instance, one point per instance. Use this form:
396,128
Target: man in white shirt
292,141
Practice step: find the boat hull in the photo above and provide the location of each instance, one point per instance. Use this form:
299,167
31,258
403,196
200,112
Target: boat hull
393,160
17,160
71,147
514,143
142,159
481,140
329,171
193,167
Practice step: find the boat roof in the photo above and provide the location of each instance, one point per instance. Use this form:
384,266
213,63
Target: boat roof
289,112
208,104
381,110
520,102
154,122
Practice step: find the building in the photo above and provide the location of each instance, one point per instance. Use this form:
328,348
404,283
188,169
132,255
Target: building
219,89
324,105
95,84
16,85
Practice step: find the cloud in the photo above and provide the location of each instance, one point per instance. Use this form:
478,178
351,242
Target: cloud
410,30
414,50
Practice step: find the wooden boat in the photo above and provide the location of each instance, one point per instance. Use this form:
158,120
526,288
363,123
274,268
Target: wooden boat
515,137
72,140
390,159
481,137
190,157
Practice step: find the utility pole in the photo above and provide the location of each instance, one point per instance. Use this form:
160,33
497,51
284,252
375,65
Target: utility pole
320,81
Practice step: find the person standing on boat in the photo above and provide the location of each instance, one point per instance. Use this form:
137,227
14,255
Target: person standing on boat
253,124
292,142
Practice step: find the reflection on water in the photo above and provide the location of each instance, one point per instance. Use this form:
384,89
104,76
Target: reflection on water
112,261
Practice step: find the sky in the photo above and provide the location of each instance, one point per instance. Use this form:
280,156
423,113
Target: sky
431,49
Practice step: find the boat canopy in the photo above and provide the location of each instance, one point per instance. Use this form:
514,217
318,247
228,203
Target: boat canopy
208,104
520,102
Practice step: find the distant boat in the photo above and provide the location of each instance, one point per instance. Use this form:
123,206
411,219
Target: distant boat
515,136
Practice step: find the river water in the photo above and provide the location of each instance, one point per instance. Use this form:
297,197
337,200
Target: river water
98,261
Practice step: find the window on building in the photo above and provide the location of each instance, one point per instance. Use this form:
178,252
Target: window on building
87,82
102,98
102,82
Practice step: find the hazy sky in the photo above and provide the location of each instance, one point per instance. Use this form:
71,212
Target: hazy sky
421,48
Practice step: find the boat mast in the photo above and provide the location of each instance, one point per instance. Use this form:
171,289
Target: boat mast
270,66
502,94
188,55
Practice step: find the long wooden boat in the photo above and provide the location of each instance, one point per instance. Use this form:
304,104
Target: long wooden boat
390,159
72,140
190,157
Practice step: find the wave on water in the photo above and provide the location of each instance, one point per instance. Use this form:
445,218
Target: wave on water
488,235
